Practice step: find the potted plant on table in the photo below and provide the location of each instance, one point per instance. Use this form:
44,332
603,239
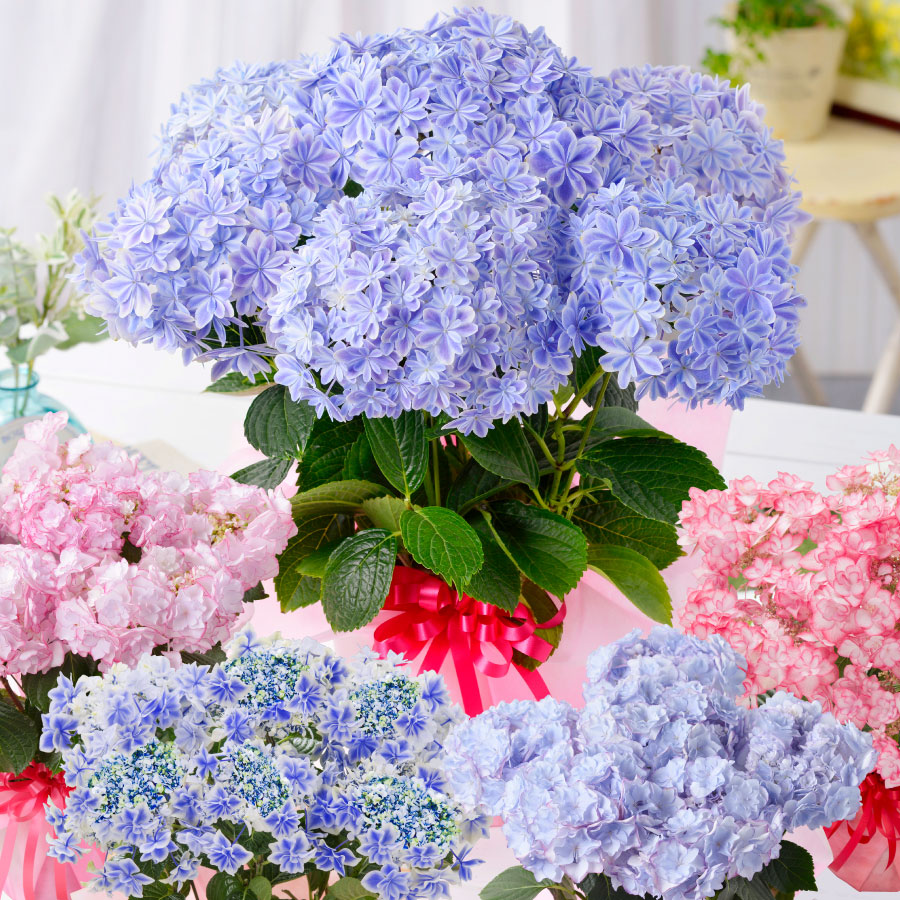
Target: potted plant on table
663,785
789,51
40,310
457,254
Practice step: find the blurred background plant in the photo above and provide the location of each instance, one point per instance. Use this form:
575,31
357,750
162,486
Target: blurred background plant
39,307
873,41
750,21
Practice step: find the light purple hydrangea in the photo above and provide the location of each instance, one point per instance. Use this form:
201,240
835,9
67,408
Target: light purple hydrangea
662,782
441,219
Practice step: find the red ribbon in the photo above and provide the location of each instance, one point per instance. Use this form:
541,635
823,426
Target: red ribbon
432,617
22,801
879,815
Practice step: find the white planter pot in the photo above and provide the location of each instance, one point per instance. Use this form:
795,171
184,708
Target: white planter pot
796,78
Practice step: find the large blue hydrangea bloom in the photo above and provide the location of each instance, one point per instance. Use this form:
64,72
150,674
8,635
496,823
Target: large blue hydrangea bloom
662,782
441,219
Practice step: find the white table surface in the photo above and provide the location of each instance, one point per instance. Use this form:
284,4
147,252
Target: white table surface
135,395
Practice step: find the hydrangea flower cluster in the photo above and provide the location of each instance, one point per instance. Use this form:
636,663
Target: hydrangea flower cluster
110,562
441,219
662,782
807,587
284,755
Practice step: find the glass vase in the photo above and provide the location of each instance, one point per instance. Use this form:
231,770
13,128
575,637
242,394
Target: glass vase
21,403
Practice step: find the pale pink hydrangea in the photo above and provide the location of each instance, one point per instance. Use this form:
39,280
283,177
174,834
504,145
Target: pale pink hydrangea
807,586
110,562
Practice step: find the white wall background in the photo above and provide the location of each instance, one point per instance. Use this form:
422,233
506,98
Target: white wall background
85,85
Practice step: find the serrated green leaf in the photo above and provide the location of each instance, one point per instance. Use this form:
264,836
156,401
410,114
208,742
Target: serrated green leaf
278,426
474,483
514,884
267,473
235,383
357,578
18,739
313,533
505,451
384,512
400,449
498,580
652,475
359,463
334,497
314,563
792,870
615,421
38,685
326,452
636,577
547,548
348,888
308,591
261,887
748,888
257,592
211,657
443,541
599,887
610,522
223,886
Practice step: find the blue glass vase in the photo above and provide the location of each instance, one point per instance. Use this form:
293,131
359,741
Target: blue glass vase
21,403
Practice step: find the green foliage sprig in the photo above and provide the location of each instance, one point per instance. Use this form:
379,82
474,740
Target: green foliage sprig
39,307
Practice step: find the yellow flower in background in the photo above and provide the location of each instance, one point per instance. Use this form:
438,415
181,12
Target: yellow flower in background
873,41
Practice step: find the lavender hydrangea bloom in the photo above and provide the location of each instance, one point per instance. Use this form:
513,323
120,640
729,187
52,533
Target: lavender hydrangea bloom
662,782
441,219
285,742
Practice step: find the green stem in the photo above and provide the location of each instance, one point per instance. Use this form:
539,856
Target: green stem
539,498
12,695
540,442
565,500
490,524
596,375
436,470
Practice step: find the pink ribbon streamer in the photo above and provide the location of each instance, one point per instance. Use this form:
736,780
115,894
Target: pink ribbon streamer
878,820
22,801
439,621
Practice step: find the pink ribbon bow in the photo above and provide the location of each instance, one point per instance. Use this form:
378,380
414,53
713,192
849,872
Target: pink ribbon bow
434,618
879,817
22,801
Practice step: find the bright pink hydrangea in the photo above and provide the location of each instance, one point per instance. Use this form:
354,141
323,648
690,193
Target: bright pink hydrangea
111,562
807,587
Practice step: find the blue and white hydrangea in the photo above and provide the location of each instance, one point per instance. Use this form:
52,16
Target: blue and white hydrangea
442,219
268,755
662,781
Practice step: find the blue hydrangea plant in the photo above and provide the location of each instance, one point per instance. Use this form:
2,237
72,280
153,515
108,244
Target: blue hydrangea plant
662,785
283,762
461,257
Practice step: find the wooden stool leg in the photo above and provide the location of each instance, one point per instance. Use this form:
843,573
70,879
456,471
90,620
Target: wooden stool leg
886,378
810,385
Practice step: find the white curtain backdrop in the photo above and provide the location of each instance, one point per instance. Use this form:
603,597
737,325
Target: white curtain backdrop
85,85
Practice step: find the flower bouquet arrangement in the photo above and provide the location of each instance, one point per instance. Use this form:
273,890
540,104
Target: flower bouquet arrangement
40,309
805,586
102,563
284,762
663,785
460,256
